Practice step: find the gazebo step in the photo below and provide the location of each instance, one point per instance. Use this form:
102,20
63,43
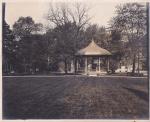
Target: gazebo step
96,73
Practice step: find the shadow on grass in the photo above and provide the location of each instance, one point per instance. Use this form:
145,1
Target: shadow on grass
143,95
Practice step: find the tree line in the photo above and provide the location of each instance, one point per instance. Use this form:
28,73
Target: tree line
27,49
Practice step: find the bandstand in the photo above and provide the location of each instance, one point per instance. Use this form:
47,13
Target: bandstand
92,60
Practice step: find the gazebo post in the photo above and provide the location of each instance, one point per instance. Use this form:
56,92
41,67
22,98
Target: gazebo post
86,65
77,65
99,64
108,64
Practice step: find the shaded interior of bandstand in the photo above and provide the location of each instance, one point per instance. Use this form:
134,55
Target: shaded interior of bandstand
92,65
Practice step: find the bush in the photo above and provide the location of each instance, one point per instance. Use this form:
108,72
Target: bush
135,74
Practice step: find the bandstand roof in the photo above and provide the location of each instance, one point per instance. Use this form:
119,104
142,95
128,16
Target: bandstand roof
93,49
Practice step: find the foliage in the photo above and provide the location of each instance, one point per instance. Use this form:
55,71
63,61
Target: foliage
25,26
117,49
68,23
22,46
9,49
130,21
31,53
28,50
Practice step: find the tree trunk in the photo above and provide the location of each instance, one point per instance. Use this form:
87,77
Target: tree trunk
133,65
138,62
75,65
66,66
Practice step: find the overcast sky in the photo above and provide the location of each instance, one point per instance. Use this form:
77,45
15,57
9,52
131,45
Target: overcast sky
101,12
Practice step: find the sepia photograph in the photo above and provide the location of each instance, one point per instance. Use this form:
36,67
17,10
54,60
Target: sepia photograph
75,60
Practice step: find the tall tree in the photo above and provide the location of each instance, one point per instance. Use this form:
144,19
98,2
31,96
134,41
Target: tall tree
117,49
25,30
130,21
68,22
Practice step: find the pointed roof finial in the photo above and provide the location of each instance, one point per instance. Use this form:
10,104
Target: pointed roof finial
92,39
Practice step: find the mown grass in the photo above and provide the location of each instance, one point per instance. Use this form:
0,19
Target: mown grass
75,97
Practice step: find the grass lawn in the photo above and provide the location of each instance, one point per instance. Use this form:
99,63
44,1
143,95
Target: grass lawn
75,97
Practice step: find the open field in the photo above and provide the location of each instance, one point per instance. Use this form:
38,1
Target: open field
75,97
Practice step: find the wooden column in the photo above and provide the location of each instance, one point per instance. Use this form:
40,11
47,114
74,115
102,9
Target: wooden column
77,65
86,65
108,64
99,64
